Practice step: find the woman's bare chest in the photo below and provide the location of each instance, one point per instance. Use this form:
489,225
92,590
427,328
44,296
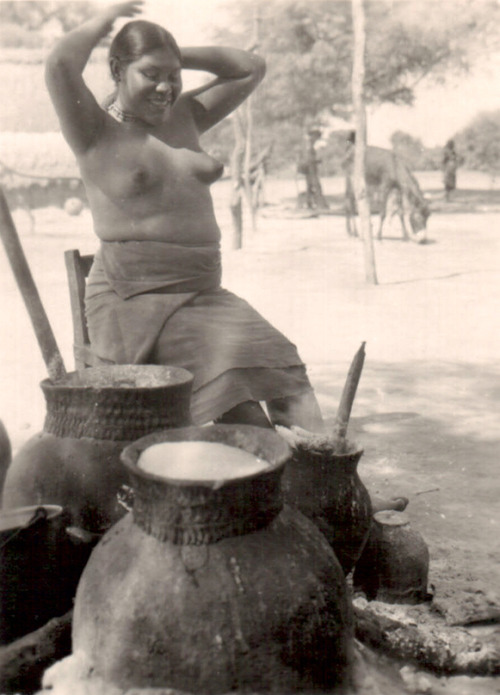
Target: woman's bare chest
127,165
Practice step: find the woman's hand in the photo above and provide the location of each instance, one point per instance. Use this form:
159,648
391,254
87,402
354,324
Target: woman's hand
123,9
80,115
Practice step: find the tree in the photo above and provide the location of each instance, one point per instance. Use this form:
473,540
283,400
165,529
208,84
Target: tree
33,14
409,148
308,45
479,143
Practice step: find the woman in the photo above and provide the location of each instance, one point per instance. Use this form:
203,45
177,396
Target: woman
451,162
154,292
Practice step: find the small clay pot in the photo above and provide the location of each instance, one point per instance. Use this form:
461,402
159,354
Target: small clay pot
214,586
394,566
326,487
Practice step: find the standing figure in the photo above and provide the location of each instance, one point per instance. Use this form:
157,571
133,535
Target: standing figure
450,163
154,294
308,166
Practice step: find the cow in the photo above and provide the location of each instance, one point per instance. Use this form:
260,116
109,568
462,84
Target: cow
387,176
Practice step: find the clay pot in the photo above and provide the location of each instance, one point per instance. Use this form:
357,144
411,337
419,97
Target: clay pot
394,566
91,416
212,586
31,569
75,462
326,488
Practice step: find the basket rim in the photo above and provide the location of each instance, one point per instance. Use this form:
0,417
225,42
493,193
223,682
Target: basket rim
178,377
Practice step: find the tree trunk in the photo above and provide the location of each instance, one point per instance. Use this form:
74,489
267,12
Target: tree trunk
360,191
241,159
247,162
237,182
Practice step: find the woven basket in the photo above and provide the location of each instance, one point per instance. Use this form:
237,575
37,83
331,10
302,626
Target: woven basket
117,403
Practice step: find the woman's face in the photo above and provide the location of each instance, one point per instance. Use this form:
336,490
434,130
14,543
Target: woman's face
149,86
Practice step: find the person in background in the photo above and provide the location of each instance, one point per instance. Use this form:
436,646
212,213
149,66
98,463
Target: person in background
308,166
450,163
154,293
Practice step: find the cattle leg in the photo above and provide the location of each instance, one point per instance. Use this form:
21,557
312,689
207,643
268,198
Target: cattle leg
350,224
406,236
401,214
384,196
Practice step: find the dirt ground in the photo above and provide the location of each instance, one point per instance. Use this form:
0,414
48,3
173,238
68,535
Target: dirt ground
426,412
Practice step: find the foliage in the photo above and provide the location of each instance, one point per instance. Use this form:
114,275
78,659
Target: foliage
33,15
479,143
15,36
308,48
412,150
218,142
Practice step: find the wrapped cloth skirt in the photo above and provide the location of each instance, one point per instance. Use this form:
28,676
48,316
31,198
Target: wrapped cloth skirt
234,354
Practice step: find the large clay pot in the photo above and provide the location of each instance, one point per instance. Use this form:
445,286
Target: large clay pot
212,586
326,488
91,416
394,565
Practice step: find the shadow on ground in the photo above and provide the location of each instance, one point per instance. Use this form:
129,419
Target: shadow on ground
429,433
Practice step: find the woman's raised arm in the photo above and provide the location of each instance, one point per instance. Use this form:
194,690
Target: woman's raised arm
238,74
80,115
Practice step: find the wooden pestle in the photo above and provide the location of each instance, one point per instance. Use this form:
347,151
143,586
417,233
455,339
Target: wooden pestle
347,400
43,331
336,442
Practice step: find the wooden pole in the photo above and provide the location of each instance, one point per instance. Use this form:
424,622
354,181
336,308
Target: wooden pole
29,292
358,78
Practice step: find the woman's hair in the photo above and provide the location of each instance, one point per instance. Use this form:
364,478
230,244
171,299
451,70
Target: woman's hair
139,37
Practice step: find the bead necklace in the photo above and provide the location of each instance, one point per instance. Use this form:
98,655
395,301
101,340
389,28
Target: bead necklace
122,116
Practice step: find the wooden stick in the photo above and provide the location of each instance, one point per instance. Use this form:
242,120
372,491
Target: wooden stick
348,394
23,661
431,489
441,648
43,331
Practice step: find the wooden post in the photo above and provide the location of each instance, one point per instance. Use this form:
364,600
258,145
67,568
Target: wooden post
358,77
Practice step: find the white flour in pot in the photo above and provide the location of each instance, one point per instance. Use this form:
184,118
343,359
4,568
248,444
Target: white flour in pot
199,461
